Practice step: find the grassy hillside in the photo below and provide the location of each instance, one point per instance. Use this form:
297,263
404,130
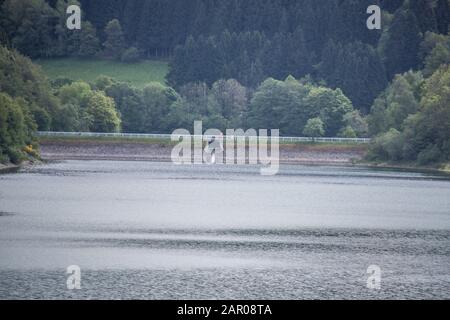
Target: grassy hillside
137,74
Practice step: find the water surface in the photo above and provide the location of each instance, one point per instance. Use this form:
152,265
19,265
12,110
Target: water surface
141,230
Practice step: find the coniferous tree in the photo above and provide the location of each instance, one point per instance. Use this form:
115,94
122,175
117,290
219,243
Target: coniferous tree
355,68
403,43
425,14
443,16
115,41
89,44
30,26
391,5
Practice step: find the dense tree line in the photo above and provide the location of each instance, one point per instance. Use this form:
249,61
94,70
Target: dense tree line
158,26
16,129
28,102
226,104
247,40
413,119
251,57
20,78
290,104
410,119
25,99
328,41
38,30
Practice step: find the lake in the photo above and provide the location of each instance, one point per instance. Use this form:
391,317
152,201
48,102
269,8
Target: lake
145,230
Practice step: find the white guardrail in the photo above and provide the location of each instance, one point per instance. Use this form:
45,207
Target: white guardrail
168,136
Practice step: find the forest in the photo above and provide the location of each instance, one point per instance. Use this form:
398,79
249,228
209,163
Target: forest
307,67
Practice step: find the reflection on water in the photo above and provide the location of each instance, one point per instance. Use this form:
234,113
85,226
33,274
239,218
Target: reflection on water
155,230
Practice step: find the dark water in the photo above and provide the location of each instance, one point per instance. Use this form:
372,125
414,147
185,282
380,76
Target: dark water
156,231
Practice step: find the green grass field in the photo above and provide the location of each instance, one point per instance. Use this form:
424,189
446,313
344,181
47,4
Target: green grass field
108,140
136,74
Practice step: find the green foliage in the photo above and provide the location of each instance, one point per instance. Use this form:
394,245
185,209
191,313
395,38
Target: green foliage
231,100
19,77
443,15
358,125
432,125
115,41
396,103
12,122
85,109
102,109
26,22
3,157
289,104
314,128
424,10
43,118
246,40
332,106
347,132
356,69
74,93
38,29
130,55
425,134
268,101
287,54
103,82
160,109
84,42
435,50
16,128
72,115
59,82
430,154
403,42
130,105
196,103
157,100
68,119
387,146
430,40
259,43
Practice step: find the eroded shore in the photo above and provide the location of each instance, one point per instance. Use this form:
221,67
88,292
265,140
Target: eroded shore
319,154
8,168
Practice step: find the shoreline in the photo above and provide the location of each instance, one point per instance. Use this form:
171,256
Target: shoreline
9,168
348,155
406,167
302,154
307,154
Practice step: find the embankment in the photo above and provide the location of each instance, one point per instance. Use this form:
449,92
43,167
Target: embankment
113,149
7,168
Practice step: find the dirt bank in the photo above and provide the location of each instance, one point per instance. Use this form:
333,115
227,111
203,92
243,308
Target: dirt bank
7,168
144,151
12,168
